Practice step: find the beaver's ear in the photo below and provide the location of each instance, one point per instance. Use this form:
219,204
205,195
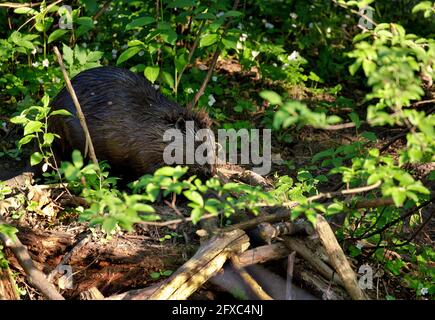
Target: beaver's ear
180,124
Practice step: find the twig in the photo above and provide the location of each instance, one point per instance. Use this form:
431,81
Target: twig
423,102
336,193
313,259
80,114
192,50
407,214
201,90
19,5
355,12
338,259
340,126
290,265
35,276
101,11
175,221
248,280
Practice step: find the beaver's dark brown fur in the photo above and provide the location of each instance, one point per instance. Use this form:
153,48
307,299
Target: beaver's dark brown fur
126,117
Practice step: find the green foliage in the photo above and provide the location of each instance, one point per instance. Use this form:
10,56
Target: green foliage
35,123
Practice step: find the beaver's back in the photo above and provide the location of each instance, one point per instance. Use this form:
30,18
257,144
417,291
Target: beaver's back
126,117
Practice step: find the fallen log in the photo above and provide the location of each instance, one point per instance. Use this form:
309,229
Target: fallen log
338,259
207,261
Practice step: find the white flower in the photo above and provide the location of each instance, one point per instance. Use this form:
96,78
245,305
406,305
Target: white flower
269,25
424,291
328,30
141,53
310,25
95,21
255,53
265,39
359,245
263,20
243,37
156,86
114,53
40,81
347,16
35,64
293,15
45,63
84,45
214,78
239,45
274,64
220,14
189,90
211,100
240,26
293,56
96,48
293,25
34,51
4,124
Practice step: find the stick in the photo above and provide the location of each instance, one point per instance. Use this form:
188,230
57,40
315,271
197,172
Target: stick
80,114
207,261
289,281
249,281
317,263
35,277
216,54
338,260
263,253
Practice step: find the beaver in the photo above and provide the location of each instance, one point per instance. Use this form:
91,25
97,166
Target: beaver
127,118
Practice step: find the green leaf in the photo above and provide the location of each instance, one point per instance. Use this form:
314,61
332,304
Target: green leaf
271,96
152,73
139,22
165,171
25,10
56,35
168,79
68,55
232,13
208,40
94,56
205,16
422,6
77,159
109,224
61,112
399,196
32,126
25,140
143,207
229,43
195,197
48,138
369,136
36,158
128,54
